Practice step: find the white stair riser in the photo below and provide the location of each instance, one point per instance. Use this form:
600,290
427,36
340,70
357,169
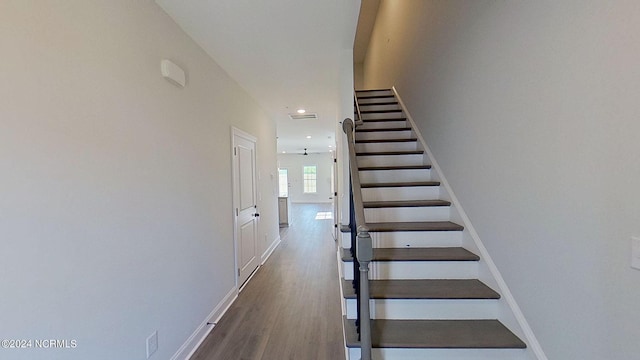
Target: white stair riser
373,93
345,240
377,135
383,124
390,160
397,270
401,193
399,214
387,146
388,115
406,175
375,100
367,107
440,354
402,239
427,309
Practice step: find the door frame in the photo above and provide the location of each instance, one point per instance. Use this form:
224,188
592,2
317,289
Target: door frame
235,202
334,195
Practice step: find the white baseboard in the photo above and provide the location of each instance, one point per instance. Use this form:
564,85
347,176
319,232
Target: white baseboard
193,342
270,250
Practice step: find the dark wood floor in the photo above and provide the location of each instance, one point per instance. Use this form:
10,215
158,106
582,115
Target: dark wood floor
291,307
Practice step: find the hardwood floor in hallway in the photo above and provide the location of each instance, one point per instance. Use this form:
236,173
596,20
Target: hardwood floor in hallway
291,307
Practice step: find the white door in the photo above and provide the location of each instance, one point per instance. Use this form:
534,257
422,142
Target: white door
245,204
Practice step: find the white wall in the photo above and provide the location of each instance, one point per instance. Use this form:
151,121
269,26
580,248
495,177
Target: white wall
294,163
115,194
358,75
531,109
342,149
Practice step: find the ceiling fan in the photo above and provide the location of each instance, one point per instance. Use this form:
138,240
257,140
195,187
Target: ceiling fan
305,152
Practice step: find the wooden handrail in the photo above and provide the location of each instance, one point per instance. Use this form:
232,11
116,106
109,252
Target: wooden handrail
361,243
348,128
358,114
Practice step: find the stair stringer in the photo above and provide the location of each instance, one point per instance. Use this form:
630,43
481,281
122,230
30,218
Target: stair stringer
488,272
343,301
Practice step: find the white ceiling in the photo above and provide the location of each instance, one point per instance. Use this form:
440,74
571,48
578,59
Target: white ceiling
284,53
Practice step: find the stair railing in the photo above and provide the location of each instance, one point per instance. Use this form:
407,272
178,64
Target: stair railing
361,246
358,121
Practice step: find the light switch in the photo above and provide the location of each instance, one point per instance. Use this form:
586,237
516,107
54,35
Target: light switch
635,252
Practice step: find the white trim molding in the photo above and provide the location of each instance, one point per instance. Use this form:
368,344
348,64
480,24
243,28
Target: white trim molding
195,340
267,253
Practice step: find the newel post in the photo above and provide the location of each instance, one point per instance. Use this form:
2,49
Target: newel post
365,255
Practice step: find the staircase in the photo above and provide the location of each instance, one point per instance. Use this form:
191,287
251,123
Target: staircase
426,299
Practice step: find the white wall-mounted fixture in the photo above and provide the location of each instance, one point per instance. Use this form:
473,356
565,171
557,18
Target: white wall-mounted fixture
173,73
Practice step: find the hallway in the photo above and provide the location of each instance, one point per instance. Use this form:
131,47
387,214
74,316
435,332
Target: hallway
290,309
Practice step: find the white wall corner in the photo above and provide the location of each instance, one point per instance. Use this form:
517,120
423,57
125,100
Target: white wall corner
525,329
195,340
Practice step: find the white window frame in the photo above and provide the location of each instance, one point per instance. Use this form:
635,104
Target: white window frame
315,180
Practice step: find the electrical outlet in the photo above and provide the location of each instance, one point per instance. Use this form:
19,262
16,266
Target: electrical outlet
635,252
152,344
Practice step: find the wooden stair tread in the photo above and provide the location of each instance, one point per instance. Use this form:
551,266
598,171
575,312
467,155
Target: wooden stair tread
405,203
405,128
373,141
380,111
400,184
384,119
366,94
370,90
374,96
418,254
383,153
414,226
395,167
468,289
379,103
441,334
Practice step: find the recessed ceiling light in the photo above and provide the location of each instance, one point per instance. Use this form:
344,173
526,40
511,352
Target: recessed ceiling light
308,136
284,152
301,111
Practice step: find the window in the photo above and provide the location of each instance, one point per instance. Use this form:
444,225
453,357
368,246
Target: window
283,182
310,176
324,215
